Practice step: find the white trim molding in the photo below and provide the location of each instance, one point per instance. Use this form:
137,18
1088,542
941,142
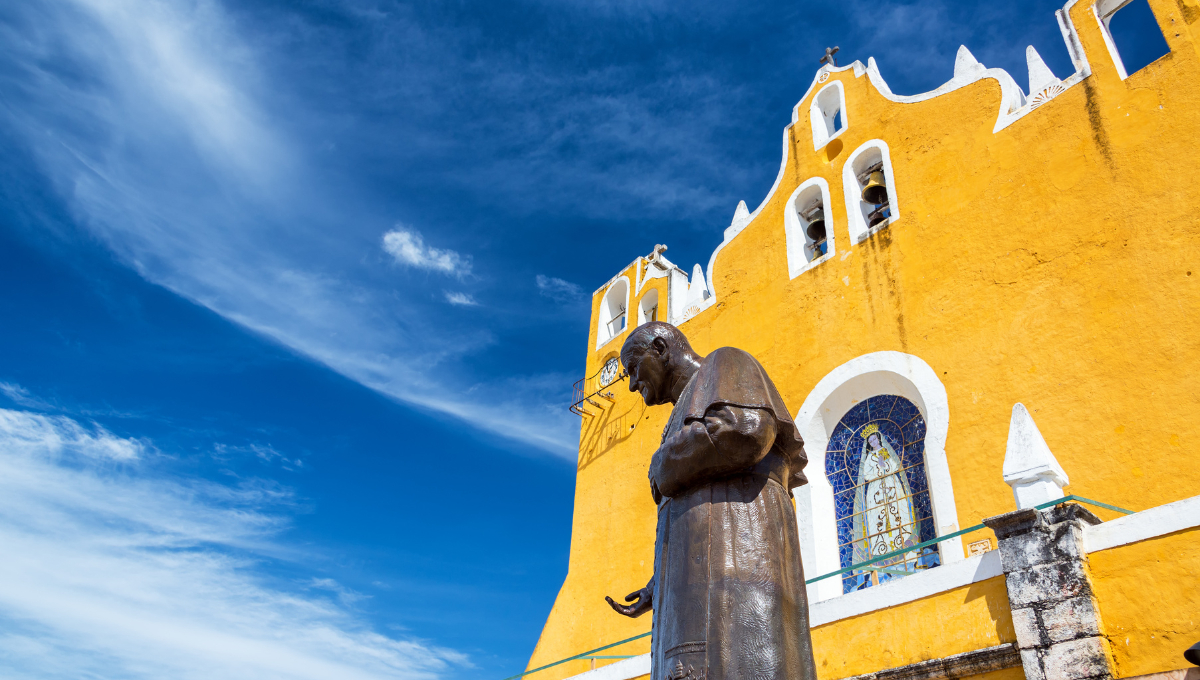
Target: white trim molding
1144,525
897,591
625,669
854,381
856,218
798,242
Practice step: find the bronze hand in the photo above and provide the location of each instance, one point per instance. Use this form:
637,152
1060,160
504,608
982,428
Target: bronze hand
641,602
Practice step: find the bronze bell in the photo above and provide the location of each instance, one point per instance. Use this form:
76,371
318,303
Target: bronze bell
877,216
875,192
816,230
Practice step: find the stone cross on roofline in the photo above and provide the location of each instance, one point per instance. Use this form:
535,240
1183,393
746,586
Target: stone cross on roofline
656,257
829,58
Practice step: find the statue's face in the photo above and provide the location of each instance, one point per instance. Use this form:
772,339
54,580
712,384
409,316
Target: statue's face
648,374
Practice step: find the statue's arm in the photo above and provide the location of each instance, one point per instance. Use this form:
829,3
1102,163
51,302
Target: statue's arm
727,440
641,601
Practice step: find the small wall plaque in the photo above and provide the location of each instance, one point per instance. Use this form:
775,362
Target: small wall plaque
979,547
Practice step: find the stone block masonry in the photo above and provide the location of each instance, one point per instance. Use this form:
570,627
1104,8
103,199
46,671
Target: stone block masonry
1053,607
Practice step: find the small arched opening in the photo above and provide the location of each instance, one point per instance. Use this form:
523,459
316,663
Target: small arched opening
827,114
611,320
869,184
648,307
808,226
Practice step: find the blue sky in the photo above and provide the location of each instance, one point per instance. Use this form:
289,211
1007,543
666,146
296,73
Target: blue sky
293,293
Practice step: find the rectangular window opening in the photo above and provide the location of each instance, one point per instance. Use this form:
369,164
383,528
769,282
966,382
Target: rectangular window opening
837,120
1135,33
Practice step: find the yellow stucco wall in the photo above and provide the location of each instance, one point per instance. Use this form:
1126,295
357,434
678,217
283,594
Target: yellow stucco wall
900,635
1149,601
1054,263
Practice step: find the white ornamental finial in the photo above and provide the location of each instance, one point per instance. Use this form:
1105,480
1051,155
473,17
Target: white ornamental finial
697,287
966,66
1029,468
1040,75
741,217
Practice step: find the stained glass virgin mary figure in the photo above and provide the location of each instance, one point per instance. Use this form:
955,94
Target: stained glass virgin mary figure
883,508
875,463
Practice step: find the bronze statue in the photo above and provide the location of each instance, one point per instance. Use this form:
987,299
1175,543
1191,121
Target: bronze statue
728,588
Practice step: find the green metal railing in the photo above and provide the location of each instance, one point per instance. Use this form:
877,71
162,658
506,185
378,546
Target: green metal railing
588,654
956,534
579,657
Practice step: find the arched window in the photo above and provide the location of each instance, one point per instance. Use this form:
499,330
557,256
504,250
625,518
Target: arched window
870,190
1131,33
648,307
612,317
808,226
827,113
875,463
831,400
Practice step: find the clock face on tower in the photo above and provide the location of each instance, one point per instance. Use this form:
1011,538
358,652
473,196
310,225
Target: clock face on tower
609,373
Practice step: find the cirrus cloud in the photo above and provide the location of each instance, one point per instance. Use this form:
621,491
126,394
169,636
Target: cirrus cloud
408,248
557,289
119,572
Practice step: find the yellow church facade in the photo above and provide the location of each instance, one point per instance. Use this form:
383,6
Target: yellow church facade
1013,315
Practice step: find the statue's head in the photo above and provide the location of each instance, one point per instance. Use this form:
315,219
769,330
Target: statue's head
652,355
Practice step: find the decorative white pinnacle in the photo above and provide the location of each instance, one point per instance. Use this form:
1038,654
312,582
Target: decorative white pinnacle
741,217
1040,76
1029,468
697,287
965,64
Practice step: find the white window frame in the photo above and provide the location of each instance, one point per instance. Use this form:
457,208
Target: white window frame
856,221
605,313
852,382
796,239
819,118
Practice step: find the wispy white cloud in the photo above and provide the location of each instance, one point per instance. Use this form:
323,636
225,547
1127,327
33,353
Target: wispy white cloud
408,248
21,396
344,595
264,452
460,299
24,432
110,572
557,289
214,201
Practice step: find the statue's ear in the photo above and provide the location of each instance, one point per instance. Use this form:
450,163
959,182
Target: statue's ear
660,346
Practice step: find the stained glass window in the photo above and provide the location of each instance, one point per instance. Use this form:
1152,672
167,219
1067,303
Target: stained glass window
875,463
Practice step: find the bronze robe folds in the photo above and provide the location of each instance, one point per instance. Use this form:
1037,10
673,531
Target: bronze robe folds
729,596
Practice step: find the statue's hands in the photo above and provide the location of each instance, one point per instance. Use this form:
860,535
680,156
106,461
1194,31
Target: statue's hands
642,602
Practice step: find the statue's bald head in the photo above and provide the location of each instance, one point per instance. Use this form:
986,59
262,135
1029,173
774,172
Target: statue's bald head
658,358
643,337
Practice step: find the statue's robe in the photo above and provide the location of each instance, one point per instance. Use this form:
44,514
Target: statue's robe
729,598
